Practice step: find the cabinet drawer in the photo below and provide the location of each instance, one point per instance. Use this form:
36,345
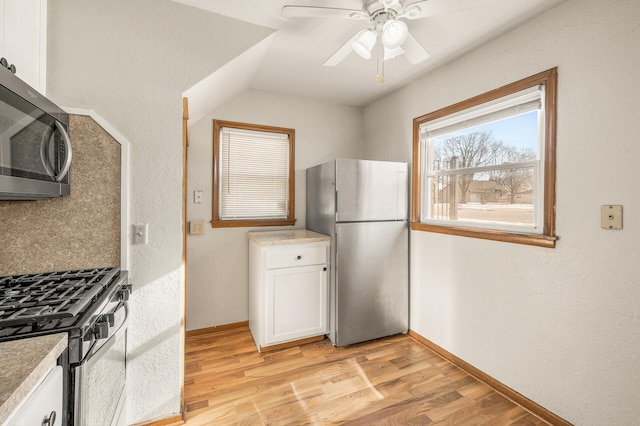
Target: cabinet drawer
287,257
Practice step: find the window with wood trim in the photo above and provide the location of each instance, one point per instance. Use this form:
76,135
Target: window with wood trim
253,175
485,167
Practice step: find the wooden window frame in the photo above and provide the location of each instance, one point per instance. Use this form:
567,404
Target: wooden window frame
216,222
547,238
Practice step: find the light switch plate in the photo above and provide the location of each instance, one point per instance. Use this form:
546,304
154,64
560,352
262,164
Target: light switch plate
611,217
141,234
196,227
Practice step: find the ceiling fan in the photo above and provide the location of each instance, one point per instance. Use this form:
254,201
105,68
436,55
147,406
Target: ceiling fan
387,31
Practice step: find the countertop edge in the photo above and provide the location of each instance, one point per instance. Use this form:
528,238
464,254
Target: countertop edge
54,344
296,236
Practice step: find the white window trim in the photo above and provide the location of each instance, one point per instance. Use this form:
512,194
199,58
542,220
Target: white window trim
527,100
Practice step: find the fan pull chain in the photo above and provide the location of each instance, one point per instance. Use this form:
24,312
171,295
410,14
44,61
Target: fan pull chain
380,62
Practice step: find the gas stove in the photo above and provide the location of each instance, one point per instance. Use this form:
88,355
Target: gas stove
91,306
37,298
36,304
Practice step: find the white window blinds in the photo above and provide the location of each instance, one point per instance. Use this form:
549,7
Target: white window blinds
254,174
517,103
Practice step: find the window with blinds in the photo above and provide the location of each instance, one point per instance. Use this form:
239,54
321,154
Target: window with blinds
485,167
253,175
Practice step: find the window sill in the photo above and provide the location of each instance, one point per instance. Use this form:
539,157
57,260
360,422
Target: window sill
538,240
250,223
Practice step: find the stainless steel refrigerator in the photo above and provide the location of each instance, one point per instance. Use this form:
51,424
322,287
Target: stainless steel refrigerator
363,206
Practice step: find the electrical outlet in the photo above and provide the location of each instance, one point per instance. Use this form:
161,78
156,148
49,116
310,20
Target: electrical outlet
196,227
611,217
198,196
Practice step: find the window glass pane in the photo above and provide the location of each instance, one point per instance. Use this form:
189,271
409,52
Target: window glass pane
499,189
510,140
503,197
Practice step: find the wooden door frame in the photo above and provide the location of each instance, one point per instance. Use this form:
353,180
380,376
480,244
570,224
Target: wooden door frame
185,153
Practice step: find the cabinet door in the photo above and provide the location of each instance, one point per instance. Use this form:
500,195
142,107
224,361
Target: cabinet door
42,403
296,303
23,39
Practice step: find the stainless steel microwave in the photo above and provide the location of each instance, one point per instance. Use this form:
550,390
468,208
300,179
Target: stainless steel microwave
35,150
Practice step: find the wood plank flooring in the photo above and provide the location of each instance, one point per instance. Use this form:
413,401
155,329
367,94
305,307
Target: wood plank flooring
391,381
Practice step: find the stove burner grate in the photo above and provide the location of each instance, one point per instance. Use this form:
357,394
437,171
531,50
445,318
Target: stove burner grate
37,298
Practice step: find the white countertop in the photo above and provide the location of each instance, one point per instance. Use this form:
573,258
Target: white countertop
24,363
293,236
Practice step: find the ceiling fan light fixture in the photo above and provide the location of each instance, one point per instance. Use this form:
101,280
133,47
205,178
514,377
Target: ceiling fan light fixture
364,44
394,33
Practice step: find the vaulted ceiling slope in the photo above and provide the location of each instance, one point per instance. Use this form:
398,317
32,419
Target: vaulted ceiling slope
291,59
144,50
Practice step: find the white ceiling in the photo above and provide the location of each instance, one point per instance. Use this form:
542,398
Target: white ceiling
291,61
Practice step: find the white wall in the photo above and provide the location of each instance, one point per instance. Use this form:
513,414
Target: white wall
218,276
561,326
130,61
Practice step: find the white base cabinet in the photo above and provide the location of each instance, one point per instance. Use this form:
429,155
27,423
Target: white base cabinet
44,405
288,291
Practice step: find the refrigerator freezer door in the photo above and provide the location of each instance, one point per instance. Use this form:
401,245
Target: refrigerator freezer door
372,281
371,190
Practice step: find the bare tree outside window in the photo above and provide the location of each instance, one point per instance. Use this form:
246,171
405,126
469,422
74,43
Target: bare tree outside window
515,181
471,150
479,149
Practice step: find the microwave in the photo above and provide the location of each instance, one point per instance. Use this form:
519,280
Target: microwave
35,150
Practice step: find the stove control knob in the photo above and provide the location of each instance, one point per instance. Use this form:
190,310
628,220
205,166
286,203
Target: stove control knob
110,318
101,329
125,292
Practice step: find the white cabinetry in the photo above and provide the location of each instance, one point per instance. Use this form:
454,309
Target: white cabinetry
23,39
44,405
31,384
288,286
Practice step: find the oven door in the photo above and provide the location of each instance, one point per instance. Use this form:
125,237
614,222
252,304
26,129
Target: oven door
100,378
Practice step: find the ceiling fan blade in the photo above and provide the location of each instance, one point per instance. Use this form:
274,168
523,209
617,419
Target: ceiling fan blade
417,10
392,53
428,8
343,51
293,11
413,50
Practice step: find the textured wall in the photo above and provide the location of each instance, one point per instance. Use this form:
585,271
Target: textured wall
218,287
131,62
78,231
561,326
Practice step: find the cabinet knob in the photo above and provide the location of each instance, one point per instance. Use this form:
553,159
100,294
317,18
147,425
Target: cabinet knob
49,421
324,269
299,257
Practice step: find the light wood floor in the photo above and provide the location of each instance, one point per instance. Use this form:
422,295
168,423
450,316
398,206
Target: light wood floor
391,381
